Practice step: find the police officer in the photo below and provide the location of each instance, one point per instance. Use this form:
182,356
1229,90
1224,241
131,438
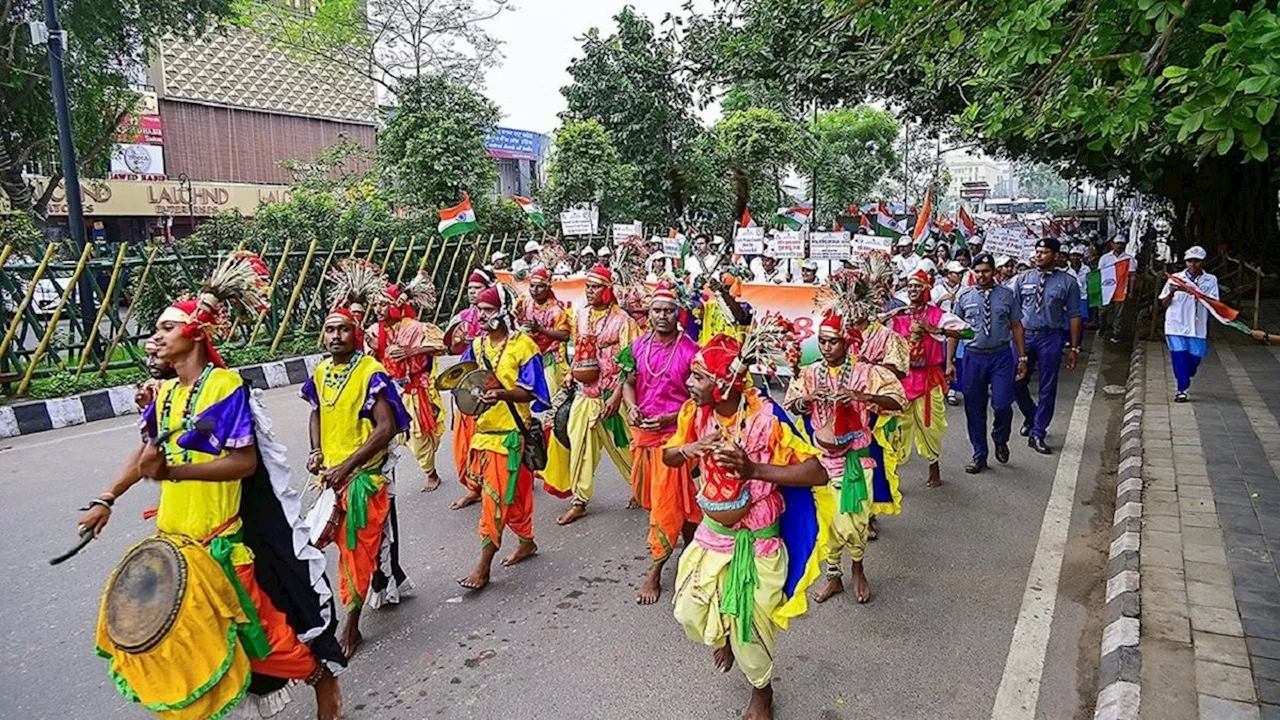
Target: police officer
989,371
1049,298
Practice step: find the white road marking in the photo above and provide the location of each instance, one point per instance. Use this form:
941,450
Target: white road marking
1024,666
65,438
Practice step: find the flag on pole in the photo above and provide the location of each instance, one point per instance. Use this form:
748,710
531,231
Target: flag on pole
967,227
531,209
923,220
1220,311
1109,284
458,219
747,220
792,218
864,224
886,226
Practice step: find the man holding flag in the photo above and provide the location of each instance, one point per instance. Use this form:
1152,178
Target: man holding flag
1186,318
1115,273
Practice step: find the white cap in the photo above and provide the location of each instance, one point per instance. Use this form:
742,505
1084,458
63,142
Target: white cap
1195,252
807,264
498,255
1076,250
1002,260
927,265
903,240
604,250
955,266
974,240
532,246
587,250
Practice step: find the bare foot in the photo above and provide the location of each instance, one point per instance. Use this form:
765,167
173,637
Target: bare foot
574,512
477,580
524,551
761,707
633,504
351,637
832,587
328,698
651,590
472,497
433,483
871,528
935,476
861,588
723,657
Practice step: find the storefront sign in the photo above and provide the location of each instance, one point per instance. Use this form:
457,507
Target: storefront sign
121,198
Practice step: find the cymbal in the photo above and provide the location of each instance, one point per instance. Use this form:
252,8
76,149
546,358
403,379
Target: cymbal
469,393
450,378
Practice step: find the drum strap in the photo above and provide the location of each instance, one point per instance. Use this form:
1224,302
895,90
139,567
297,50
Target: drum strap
251,633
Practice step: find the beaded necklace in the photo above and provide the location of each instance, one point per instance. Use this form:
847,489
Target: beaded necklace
187,421
337,380
648,355
828,391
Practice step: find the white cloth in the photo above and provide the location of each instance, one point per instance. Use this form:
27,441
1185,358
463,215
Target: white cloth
778,277
904,265
1082,278
696,266
1185,315
1109,259
944,295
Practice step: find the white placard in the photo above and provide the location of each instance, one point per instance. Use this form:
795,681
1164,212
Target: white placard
830,246
748,241
787,244
575,222
864,245
1008,239
672,247
622,231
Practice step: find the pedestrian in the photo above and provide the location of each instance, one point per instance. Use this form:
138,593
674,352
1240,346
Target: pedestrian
1078,269
989,371
499,260
765,270
1006,270
1186,319
1045,295
529,261
974,245
1113,312
808,272
702,259
906,260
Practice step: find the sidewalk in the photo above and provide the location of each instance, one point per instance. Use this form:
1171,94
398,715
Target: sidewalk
1210,580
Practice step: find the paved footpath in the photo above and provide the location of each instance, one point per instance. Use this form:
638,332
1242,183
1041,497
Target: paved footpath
1210,580
987,600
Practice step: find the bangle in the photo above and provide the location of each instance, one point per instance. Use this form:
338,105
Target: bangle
108,497
1023,359
1075,348
100,501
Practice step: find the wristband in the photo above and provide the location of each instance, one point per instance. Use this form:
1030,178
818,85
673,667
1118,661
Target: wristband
100,501
1075,348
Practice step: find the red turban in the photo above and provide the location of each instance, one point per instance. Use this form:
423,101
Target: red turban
399,307
197,324
490,296
921,276
665,292
602,275
345,316
719,358
541,275
480,277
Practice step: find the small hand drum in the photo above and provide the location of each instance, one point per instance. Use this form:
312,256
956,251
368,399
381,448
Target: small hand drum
325,519
456,338
471,389
449,379
145,594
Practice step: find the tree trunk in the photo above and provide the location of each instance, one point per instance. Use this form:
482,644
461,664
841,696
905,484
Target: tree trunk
12,184
1228,206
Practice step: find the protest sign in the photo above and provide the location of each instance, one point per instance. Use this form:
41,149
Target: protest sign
864,245
672,247
622,231
829,246
1008,239
787,244
748,241
575,222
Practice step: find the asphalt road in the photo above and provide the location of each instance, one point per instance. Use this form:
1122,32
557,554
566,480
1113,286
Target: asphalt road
561,636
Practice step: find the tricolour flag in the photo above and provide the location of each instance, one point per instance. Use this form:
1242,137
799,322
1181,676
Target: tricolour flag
886,226
1109,284
1220,311
531,209
792,218
458,219
924,219
747,220
967,227
864,224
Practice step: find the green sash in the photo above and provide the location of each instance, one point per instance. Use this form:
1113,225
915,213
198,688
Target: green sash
251,633
740,587
359,491
853,482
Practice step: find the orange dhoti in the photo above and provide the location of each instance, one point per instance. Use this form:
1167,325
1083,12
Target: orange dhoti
464,428
500,509
358,560
290,658
667,493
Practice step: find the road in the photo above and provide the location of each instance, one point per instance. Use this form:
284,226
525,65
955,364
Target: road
561,635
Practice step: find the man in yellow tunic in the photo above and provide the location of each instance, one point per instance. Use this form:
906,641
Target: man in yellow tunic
355,414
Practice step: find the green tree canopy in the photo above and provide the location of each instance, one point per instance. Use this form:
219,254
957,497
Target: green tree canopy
586,169
851,149
757,147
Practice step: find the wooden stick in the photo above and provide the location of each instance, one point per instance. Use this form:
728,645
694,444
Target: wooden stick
387,258
53,321
26,299
102,310
275,280
124,323
324,274
404,264
293,297
452,262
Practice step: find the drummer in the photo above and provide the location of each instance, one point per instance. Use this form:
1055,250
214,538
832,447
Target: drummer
462,330
845,403
497,448
355,414
280,602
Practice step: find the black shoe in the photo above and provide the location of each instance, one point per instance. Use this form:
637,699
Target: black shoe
1025,431
1037,444
953,399
976,466
1002,452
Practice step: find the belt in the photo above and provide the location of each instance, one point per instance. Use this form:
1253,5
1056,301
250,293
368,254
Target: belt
1043,331
740,591
986,351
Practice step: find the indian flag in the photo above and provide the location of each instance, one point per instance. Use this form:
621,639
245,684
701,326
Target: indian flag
531,209
747,220
1220,311
792,218
924,219
458,219
886,226
1109,284
967,227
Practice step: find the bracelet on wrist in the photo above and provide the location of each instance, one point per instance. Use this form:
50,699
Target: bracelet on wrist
100,502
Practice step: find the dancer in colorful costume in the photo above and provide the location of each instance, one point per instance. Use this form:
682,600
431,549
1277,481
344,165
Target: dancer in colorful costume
600,332
744,576
462,330
407,348
255,609
926,326
546,320
356,414
498,447
657,367
847,403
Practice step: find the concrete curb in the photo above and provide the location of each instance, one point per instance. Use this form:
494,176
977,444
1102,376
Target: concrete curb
1119,669
40,415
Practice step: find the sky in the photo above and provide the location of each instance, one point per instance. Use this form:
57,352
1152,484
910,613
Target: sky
539,44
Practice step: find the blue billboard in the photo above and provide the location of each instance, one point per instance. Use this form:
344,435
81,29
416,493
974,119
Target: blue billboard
514,144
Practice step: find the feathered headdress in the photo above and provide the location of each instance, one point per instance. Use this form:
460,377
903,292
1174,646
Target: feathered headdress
240,282
853,295
768,342
552,255
879,267
420,291
358,285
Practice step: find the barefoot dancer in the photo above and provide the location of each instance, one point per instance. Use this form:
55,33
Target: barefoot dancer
256,602
745,574
407,348
846,402
600,332
496,449
355,415
657,367
462,330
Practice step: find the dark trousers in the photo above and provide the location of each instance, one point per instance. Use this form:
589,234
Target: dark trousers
988,376
1044,355
1112,316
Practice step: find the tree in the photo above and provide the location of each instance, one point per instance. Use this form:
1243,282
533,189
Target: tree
586,169
387,40
1173,98
631,83
757,147
432,148
108,42
1040,181
852,149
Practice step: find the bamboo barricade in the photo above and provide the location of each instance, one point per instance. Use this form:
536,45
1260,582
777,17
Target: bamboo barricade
16,322
319,292
102,309
452,262
387,257
293,297
271,291
471,260
413,240
4,254
372,249
426,255
53,321
124,323
324,272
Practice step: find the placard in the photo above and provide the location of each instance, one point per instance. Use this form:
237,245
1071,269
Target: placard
829,246
575,222
1008,238
622,231
672,247
787,244
864,245
748,241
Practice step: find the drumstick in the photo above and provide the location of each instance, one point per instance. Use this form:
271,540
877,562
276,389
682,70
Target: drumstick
203,425
86,534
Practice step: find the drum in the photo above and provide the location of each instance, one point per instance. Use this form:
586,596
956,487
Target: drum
825,438
560,426
456,338
325,519
449,379
145,594
471,389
